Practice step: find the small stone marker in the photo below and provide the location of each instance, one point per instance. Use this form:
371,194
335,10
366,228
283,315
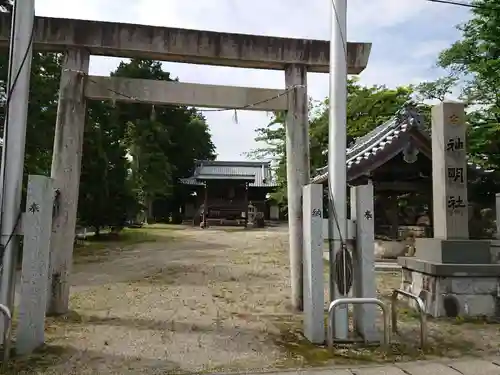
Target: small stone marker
34,278
364,260
449,172
314,298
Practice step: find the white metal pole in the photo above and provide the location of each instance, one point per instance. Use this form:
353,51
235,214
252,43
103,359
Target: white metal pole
337,140
14,142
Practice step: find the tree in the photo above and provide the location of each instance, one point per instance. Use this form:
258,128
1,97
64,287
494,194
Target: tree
42,109
367,107
473,62
167,143
6,5
436,90
106,193
164,141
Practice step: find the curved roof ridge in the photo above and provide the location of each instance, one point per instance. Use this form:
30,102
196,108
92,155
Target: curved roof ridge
373,138
406,117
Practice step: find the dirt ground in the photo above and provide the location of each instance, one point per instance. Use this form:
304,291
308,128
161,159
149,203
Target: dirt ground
187,300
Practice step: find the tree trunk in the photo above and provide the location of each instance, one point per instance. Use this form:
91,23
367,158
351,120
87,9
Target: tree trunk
149,211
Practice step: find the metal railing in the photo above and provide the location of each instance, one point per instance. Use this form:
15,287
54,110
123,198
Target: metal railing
358,301
7,318
421,310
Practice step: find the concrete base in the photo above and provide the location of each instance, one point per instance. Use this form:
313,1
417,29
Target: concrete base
453,289
495,251
453,251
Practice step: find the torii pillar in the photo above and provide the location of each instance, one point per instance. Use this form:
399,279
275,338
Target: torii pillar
297,172
66,165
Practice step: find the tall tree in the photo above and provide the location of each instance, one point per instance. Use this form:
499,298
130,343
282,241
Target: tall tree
106,194
168,142
164,143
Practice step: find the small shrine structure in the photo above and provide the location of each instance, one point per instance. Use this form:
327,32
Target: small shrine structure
397,157
230,193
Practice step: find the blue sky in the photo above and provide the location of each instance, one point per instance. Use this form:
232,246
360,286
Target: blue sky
407,36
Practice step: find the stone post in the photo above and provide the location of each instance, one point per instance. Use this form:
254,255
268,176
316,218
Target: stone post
449,172
35,269
451,242
364,259
297,171
314,293
66,164
497,214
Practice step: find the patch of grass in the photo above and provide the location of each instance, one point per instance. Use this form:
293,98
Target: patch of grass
37,362
233,229
299,351
407,313
97,248
167,227
479,320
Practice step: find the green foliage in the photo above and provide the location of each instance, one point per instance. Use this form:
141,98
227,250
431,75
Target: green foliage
473,63
164,143
6,5
438,89
45,74
367,107
106,195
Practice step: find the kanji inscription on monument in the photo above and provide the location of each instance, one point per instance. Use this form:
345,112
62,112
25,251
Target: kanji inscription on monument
449,171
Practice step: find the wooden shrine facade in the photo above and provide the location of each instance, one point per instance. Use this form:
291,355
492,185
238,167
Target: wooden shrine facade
223,192
397,157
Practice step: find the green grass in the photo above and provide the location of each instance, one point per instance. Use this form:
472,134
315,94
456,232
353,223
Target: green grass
300,352
98,248
41,360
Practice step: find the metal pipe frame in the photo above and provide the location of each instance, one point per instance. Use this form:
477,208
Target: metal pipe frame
421,310
4,310
357,301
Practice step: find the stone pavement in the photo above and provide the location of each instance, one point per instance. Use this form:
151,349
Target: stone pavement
451,367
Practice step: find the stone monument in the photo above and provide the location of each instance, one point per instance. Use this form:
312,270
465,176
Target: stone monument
364,260
314,298
453,275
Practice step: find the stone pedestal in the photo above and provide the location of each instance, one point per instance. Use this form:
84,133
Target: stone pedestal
453,289
454,276
438,250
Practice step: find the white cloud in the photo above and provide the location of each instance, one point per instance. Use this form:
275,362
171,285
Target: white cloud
387,23
429,48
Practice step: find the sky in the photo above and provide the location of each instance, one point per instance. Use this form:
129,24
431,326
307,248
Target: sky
407,36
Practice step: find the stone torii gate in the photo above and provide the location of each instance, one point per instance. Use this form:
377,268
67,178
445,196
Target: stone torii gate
78,39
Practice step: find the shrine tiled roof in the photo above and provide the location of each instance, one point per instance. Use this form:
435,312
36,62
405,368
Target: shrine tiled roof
255,172
390,133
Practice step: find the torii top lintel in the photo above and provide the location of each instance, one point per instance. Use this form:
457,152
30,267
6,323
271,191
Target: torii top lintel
183,45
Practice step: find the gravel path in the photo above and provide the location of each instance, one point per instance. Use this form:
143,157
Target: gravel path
199,301
189,303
